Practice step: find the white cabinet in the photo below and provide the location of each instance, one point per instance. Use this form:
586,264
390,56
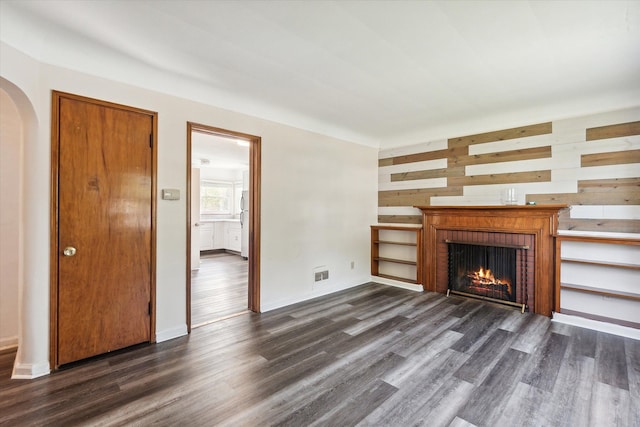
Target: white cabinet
233,236
206,236
219,233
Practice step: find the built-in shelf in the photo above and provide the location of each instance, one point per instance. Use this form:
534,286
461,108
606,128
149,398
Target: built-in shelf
397,261
388,242
383,239
401,279
601,263
601,291
605,285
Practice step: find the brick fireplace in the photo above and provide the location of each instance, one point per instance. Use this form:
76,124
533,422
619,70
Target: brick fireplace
523,233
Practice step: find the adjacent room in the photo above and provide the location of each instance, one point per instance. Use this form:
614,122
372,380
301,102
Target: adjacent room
374,213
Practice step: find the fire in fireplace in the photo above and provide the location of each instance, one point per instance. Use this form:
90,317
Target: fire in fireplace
487,271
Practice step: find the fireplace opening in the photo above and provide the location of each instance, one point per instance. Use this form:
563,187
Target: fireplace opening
488,271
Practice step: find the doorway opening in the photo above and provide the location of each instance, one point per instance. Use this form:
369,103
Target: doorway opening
223,202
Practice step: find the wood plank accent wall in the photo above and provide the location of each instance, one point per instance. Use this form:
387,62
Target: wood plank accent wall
591,163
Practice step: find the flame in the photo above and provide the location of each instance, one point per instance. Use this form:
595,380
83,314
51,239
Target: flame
485,278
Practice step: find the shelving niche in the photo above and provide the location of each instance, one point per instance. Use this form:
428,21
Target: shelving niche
599,278
396,252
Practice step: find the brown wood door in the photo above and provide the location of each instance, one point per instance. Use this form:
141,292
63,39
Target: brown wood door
105,214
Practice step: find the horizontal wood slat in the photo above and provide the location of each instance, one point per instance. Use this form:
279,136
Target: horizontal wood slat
610,158
400,219
501,135
503,156
608,225
427,174
613,196
502,178
415,197
597,192
613,131
598,185
447,153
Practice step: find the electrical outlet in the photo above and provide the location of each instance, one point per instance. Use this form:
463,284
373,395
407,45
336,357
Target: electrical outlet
318,276
325,275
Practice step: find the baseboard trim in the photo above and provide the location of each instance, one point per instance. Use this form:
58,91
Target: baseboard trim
8,343
397,283
169,334
596,325
318,291
29,371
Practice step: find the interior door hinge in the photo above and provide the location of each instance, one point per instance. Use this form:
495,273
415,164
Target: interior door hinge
151,140
149,308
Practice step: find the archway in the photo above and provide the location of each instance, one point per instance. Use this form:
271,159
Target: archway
32,359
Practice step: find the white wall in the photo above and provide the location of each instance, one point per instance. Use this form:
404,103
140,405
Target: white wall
10,202
232,175
319,196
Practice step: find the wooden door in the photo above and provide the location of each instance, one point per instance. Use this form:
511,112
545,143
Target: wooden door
104,214
195,218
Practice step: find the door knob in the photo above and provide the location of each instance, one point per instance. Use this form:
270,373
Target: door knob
69,251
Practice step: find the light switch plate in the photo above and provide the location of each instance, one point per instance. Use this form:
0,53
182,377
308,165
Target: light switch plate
170,194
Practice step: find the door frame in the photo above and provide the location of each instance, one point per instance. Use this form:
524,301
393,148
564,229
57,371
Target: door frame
54,246
255,144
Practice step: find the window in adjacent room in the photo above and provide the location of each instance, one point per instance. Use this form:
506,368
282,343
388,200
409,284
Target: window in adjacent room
216,197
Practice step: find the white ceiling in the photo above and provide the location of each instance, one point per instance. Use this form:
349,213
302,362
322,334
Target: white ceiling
218,152
382,73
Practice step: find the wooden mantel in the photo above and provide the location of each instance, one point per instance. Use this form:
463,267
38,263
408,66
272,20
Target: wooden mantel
541,221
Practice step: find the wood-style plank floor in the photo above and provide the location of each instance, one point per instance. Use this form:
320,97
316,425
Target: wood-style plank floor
371,356
219,288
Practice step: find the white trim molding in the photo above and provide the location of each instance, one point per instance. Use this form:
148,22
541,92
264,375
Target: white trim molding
29,371
596,325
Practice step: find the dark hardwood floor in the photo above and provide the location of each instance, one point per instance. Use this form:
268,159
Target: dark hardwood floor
371,356
219,288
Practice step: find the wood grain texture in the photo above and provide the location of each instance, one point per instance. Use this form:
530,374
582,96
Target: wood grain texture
400,219
413,197
385,162
447,153
615,184
255,180
105,204
613,131
610,158
503,156
501,178
219,288
604,225
611,191
592,195
428,174
501,135
297,366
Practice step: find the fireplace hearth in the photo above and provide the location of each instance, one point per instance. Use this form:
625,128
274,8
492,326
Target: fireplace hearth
488,271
